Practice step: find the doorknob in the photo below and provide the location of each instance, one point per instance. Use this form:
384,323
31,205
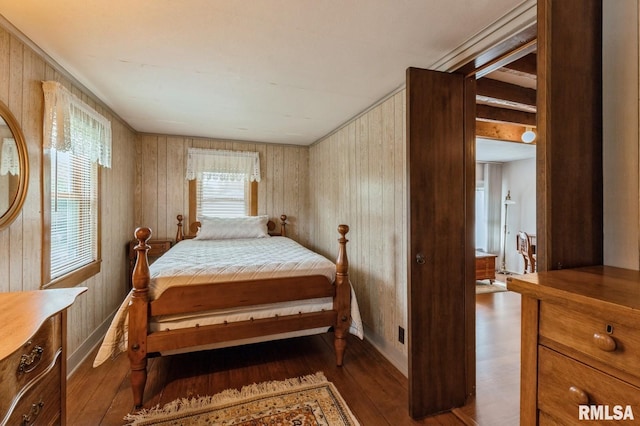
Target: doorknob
420,259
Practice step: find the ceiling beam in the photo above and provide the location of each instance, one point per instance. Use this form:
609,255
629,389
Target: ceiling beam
506,91
505,115
500,131
507,51
527,65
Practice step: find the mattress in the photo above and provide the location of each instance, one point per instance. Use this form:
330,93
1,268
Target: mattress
208,261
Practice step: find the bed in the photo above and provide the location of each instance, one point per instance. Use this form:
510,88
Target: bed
232,284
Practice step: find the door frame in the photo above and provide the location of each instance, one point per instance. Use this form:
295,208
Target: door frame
567,237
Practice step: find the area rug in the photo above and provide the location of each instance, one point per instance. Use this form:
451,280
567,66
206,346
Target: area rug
303,401
483,287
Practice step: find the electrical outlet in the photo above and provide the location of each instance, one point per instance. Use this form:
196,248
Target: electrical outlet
401,335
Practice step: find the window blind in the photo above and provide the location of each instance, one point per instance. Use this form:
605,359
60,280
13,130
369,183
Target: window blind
220,198
74,212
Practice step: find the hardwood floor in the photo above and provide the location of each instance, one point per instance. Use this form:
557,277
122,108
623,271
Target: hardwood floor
376,392
497,401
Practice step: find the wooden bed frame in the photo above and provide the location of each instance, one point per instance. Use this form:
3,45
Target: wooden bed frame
203,297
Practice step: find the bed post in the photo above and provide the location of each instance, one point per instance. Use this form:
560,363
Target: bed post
283,225
342,299
138,317
179,233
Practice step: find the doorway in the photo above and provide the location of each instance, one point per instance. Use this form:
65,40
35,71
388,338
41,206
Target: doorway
506,130
568,177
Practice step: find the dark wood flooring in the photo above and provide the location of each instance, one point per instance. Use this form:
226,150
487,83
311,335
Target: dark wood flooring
376,392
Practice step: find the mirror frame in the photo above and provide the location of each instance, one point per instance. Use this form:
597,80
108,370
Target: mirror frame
16,205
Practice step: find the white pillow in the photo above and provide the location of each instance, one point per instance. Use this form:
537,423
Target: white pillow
222,228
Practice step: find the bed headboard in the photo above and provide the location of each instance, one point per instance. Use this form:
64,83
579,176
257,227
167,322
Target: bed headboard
193,228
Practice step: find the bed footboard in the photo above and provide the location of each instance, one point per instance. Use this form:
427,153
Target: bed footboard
140,308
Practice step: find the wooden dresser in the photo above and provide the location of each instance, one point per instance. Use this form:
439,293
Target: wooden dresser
485,266
580,345
33,356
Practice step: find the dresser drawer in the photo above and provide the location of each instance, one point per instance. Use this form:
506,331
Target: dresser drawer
41,403
26,364
485,267
605,339
546,420
564,384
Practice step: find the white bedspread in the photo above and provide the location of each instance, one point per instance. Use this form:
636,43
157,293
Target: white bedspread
210,261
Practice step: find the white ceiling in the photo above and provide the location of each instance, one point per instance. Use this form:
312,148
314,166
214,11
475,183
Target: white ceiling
282,71
493,151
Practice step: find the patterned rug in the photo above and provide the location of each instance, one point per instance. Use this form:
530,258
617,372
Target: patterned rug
304,401
483,287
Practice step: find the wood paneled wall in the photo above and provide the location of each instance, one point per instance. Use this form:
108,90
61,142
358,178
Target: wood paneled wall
162,192
21,72
358,177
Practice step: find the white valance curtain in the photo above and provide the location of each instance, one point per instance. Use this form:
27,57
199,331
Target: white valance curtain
70,125
9,161
223,165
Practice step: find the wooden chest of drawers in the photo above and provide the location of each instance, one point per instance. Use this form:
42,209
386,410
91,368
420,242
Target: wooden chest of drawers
580,345
485,266
32,356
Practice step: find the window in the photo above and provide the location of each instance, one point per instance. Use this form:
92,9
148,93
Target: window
76,140
221,198
74,212
211,197
222,183
481,219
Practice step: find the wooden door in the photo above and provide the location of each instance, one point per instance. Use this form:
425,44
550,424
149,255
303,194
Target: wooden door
440,164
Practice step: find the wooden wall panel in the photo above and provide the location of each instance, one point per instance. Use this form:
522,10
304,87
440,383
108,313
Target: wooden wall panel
569,145
15,105
358,177
164,192
21,72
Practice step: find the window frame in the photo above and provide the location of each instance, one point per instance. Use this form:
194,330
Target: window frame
193,199
83,273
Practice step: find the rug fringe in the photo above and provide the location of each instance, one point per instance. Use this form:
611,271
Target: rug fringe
185,405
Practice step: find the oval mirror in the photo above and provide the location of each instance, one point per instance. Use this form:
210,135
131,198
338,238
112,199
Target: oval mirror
14,167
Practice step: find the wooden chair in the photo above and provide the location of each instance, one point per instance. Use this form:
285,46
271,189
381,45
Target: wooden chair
525,248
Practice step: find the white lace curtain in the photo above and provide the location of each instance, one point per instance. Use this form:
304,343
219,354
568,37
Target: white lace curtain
9,161
225,165
70,125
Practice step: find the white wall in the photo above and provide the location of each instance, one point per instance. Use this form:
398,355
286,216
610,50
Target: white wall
620,133
520,178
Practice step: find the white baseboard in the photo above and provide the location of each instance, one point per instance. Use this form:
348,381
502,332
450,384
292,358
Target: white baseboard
393,355
79,355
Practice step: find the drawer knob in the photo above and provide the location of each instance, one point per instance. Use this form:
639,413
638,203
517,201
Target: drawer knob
604,342
579,396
